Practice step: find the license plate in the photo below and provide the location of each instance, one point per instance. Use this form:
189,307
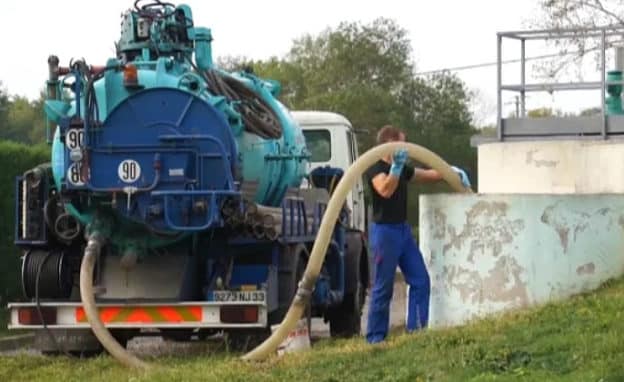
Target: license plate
240,296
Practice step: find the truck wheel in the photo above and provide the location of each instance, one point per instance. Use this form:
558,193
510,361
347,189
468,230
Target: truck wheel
345,319
292,263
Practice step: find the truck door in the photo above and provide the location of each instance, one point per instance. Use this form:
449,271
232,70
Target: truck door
358,217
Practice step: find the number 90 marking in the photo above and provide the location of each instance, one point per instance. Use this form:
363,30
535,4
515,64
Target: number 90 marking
74,138
129,171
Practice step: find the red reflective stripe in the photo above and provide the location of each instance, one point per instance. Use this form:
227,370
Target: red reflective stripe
80,315
139,315
108,314
196,311
170,314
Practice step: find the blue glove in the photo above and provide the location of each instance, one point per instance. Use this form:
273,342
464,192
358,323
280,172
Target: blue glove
462,176
398,161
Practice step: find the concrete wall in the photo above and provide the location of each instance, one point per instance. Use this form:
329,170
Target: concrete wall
489,253
558,167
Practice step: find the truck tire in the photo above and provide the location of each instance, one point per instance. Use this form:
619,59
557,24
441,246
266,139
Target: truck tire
293,259
345,319
292,263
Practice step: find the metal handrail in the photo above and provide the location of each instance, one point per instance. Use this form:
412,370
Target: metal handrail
543,34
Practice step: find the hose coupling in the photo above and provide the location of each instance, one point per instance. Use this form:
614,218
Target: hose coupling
304,291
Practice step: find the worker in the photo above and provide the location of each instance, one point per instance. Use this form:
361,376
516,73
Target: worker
391,238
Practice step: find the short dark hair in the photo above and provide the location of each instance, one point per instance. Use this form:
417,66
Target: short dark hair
389,133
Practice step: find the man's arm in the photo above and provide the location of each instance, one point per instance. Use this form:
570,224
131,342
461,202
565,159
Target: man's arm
430,176
385,184
426,176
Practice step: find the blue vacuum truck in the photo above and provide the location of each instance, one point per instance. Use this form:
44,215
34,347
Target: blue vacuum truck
203,191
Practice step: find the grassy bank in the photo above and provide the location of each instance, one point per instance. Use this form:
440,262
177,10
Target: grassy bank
577,340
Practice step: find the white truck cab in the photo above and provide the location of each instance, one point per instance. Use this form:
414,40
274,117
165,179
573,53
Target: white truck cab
332,142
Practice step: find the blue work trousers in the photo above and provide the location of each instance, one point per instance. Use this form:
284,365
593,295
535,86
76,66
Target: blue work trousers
393,245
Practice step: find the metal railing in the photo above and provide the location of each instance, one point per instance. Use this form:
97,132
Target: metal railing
559,128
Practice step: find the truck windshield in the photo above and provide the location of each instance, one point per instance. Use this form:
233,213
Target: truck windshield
319,145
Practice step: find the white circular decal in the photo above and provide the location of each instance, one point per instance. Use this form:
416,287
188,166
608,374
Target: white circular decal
129,171
73,174
74,138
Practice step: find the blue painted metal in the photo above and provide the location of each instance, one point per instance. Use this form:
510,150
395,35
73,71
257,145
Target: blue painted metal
249,275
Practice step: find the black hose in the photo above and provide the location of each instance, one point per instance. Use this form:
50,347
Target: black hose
40,313
258,117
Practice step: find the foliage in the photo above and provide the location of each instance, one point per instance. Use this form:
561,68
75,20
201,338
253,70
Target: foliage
14,159
21,120
564,14
365,73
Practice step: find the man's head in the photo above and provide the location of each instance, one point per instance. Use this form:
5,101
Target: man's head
387,134
390,133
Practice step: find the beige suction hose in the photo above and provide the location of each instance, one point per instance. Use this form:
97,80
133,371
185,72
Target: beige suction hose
94,245
306,284
328,222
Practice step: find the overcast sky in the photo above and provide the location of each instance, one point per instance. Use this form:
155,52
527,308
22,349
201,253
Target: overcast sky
444,33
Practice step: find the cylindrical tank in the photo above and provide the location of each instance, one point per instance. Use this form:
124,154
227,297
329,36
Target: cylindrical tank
274,164
160,139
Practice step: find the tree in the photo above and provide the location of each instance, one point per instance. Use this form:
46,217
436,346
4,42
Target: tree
362,71
366,73
25,121
441,104
4,108
564,14
561,14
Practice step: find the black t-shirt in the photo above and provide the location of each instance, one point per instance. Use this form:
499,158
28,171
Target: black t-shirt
393,209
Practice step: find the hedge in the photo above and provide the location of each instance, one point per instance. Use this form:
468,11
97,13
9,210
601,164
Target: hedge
15,159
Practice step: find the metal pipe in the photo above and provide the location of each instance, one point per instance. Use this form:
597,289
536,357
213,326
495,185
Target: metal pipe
268,221
523,77
272,233
603,85
499,82
619,58
258,231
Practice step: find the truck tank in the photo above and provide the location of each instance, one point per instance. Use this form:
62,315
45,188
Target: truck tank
157,141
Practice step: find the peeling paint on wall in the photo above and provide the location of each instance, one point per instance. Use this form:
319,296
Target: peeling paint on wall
539,162
587,269
485,230
488,253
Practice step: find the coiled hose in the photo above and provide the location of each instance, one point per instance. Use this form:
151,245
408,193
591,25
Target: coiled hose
312,270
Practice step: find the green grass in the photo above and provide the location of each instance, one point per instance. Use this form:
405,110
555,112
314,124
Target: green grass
4,320
4,331
577,340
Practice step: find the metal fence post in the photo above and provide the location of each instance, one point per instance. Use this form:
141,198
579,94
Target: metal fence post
499,81
602,80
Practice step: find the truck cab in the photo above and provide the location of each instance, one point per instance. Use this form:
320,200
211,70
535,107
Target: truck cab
331,141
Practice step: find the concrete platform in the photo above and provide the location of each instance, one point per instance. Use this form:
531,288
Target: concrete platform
496,252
